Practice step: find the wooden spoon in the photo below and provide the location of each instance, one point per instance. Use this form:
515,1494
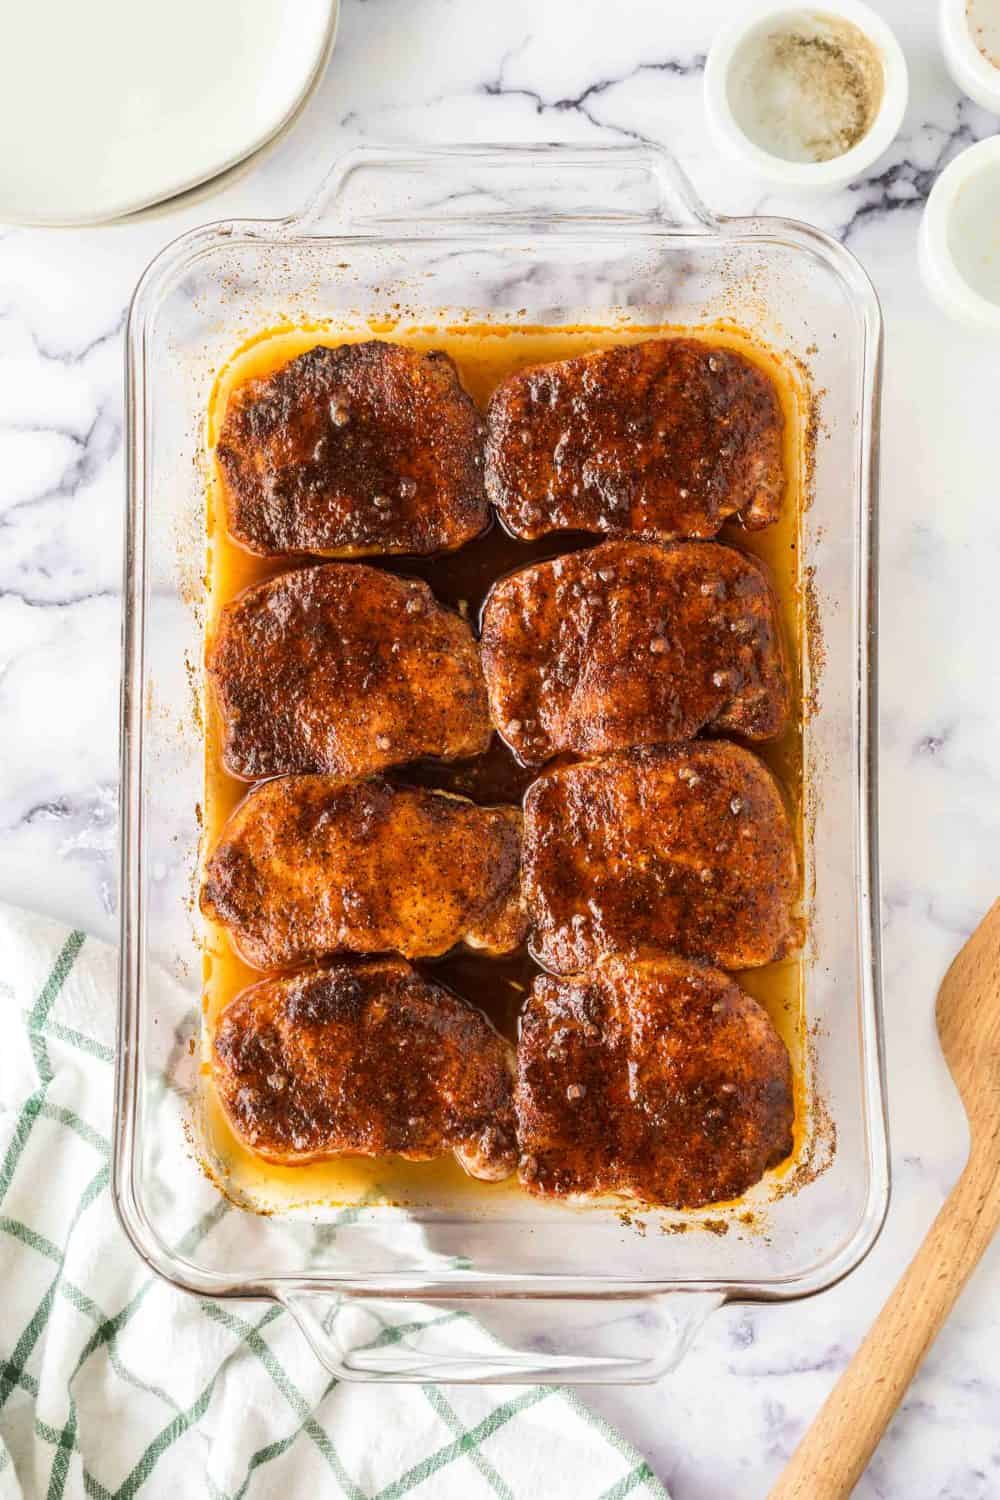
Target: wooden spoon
835,1451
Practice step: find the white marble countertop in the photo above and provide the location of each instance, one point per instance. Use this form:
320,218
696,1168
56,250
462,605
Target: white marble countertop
579,70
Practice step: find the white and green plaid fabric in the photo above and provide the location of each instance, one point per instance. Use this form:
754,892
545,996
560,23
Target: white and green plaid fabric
113,1384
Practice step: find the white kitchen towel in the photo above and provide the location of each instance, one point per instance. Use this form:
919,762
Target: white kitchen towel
114,1384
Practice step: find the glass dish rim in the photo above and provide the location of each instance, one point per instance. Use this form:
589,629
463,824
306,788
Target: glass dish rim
690,220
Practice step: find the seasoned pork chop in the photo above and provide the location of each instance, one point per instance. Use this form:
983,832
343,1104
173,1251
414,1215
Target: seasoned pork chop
634,643
681,849
351,451
661,1080
662,439
365,1060
346,669
309,865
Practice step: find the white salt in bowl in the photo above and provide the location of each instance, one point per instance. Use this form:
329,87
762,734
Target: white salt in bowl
806,98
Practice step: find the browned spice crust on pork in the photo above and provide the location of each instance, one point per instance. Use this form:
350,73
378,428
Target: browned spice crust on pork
368,1059
351,451
660,1080
683,849
662,439
634,643
309,866
346,669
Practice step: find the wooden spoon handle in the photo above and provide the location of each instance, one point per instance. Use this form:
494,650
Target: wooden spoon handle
835,1451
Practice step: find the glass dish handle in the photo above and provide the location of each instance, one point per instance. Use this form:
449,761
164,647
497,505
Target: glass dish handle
434,188
509,1341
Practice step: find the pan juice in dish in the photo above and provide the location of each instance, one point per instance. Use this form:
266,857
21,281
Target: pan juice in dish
484,354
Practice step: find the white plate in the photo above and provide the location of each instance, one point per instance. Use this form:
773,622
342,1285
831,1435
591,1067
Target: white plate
108,106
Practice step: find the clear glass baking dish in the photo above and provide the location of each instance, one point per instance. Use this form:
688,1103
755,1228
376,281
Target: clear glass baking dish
524,1291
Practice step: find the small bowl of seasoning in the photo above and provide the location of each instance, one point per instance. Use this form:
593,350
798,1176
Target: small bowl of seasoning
960,237
806,98
970,41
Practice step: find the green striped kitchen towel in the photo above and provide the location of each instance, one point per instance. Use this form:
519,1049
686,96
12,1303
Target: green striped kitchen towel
114,1384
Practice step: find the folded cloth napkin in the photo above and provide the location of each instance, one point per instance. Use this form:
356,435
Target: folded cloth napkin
114,1384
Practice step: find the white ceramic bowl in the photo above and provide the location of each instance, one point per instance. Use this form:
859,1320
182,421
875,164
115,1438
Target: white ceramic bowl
734,46
973,73
960,237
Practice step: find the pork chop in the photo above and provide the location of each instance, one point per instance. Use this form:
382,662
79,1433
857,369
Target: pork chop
683,849
353,451
662,439
366,1060
634,643
310,865
345,669
660,1080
